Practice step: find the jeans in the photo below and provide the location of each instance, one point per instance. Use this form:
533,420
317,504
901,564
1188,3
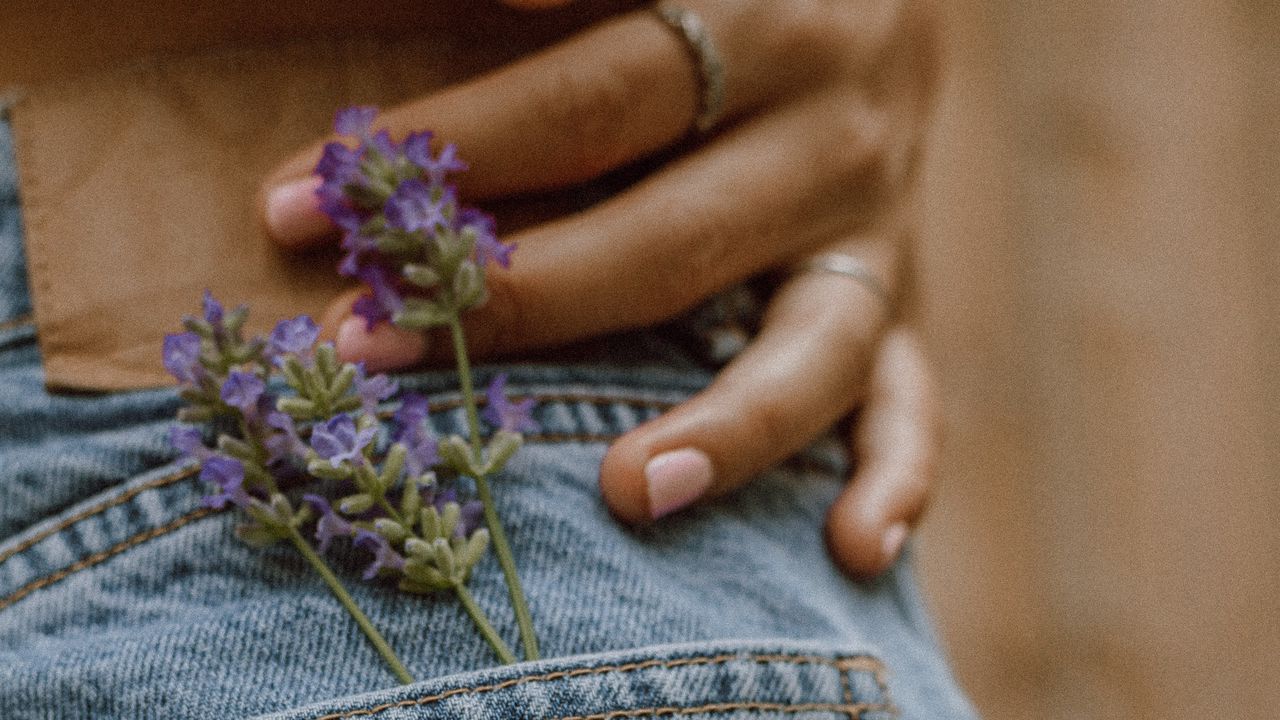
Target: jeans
122,597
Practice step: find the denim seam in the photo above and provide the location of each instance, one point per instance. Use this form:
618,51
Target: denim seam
94,559
865,663
854,711
122,498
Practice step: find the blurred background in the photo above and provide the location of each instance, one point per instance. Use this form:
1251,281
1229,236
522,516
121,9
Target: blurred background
1101,261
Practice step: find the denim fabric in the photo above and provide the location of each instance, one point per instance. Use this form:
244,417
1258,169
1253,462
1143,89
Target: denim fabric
122,597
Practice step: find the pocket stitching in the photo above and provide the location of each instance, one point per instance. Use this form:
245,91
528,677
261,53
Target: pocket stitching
122,498
864,663
854,711
94,559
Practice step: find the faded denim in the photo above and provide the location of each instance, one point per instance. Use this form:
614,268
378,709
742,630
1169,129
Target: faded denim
121,597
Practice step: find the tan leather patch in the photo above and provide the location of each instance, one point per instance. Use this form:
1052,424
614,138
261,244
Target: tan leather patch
139,184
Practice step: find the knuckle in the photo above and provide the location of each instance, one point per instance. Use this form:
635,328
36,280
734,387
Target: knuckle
856,154
586,112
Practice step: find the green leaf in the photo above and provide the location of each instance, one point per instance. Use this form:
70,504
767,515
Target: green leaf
473,551
393,531
420,549
298,408
426,575
292,370
501,447
468,284
444,558
326,363
421,314
324,470
429,522
257,535
421,275
410,501
449,519
393,466
355,504
455,453
343,382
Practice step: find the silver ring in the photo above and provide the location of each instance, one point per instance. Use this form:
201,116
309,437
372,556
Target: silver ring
850,267
697,40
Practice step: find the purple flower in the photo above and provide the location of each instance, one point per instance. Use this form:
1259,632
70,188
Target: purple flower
382,144
488,246
334,203
417,149
354,121
469,518
242,389
294,336
373,390
470,515
415,433
412,207
213,312
338,440
331,525
189,441
285,442
444,163
383,303
228,474
384,556
182,357
356,245
338,164
504,414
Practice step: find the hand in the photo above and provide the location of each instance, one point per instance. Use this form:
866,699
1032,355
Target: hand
825,104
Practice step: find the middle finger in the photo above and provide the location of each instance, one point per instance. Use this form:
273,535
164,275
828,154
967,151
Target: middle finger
696,226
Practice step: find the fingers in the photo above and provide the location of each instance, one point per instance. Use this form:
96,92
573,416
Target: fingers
609,95
896,441
696,226
802,372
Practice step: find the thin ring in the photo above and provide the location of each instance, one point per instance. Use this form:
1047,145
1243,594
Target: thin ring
693,33
850,267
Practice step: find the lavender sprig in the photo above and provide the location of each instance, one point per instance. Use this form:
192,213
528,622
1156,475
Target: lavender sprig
424,258
223,379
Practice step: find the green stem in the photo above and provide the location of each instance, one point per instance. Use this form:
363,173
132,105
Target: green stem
340,592
501,548
483,624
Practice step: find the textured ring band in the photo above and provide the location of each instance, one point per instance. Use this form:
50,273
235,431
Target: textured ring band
697,40
850,267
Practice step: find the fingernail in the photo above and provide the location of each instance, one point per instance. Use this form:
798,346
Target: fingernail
385,348
351,338
891,543
292,213
676,478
